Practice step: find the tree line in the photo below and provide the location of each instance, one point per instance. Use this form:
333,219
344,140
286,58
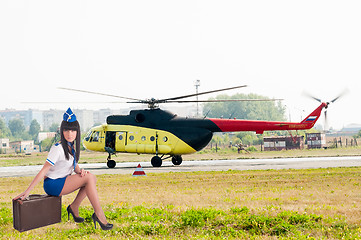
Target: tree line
248,110
15,130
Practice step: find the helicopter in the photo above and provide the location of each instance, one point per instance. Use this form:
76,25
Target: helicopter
162,133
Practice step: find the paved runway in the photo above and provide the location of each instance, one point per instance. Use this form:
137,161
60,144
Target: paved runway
206,165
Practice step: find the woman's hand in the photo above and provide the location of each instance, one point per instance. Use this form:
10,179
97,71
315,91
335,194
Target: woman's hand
83,172
79,171
21,196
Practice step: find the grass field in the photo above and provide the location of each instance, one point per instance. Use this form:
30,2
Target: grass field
318,203
272,204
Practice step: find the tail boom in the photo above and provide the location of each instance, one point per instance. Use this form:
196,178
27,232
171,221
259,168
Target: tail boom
236,125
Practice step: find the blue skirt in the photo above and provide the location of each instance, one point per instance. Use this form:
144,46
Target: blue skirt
54,186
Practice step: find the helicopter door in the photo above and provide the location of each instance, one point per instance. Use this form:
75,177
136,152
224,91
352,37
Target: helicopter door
120,141
110,139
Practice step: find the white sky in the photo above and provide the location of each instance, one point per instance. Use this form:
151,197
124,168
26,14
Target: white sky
144,49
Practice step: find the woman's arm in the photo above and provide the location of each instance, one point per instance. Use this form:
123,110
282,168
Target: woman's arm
36,180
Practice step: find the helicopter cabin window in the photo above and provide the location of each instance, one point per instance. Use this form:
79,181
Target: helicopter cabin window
152,138
165,139
95,137
144,138
121,135
131,138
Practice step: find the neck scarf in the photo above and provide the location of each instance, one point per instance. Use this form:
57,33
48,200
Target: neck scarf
71,145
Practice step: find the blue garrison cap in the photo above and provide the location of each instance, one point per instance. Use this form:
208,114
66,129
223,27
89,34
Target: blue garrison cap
69,116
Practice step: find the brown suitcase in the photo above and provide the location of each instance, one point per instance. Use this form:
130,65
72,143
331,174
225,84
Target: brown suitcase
36,211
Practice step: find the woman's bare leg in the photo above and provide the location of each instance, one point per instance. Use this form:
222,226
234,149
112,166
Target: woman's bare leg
87,185
78,200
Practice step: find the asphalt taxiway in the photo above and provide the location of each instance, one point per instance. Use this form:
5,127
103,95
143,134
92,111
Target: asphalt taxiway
204,165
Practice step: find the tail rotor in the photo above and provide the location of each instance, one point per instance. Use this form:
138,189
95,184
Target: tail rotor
326,122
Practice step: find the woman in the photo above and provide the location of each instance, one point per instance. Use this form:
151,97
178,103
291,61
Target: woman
57,173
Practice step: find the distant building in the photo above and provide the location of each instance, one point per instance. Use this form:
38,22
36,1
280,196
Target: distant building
23,146
4,145
86,118
51,117
315,140
283,143
44,135
351,129
99,117
26,115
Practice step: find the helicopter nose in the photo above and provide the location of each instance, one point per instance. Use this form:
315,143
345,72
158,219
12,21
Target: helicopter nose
85,142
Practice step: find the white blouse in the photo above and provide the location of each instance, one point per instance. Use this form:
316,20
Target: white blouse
60,166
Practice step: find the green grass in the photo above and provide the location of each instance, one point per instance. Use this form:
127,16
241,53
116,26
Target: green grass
271,204
168,222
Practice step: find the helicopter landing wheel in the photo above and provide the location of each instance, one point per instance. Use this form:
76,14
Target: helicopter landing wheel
177,159
156,161
111,164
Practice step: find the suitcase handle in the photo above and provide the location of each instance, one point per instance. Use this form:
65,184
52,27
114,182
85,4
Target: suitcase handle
34,196
31,197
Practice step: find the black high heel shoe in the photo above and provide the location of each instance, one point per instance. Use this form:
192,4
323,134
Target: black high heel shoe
107,226
76,219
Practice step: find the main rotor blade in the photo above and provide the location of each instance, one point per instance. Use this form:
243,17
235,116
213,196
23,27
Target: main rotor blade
224,100
97,93
202,93
68,102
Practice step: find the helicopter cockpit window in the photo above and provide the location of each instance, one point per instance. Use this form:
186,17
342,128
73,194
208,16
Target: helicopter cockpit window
95,137
88,135
165,139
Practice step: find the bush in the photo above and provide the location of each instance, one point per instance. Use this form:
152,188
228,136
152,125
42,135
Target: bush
252,149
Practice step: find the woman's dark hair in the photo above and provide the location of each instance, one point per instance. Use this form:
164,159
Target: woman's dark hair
70,126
